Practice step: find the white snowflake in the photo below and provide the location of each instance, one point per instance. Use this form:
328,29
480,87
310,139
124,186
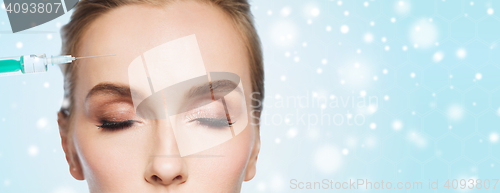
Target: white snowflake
315,12
33,150
493,137
490,11
345,151
402,7
455,112
438,56
479,76
397,125
344,29
461,53
324,61
42,123
292,133
368,37
362,93
286,11
19,45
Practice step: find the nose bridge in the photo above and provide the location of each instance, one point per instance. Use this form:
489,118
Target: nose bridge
166,166
165,142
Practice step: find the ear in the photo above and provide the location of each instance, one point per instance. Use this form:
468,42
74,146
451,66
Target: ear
69,147
251,166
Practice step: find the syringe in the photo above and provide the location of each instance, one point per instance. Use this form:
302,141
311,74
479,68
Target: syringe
28,64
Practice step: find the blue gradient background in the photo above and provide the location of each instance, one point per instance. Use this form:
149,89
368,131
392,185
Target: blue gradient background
434,67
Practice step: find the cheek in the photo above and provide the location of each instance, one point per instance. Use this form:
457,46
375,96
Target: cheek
109,159
227,170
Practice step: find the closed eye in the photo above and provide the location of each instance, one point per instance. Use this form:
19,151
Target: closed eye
116,125
212,122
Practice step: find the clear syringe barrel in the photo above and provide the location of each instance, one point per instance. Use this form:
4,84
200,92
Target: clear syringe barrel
34,64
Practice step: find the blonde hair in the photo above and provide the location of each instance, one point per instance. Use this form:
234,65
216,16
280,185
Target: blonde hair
86,11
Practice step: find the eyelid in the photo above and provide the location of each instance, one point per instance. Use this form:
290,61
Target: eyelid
212,110
113,112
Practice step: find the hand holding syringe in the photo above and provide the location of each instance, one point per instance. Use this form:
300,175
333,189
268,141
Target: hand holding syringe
34,63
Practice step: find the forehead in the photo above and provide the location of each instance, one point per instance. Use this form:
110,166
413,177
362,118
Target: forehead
130,30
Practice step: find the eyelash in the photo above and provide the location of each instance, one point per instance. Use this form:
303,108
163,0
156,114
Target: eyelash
116,125
212,122
119,125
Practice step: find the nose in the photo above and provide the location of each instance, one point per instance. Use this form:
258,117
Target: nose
166,167
166,170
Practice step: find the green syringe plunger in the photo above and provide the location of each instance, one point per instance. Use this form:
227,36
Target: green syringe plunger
28,64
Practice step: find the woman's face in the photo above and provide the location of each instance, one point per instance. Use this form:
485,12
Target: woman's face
142,155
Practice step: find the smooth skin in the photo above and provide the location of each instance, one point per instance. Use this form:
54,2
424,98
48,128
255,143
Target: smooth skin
144,157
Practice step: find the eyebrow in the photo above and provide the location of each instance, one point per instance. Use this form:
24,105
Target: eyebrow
218,86
110,89
124,90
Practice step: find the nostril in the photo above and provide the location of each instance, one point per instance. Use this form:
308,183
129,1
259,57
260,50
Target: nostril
156,178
